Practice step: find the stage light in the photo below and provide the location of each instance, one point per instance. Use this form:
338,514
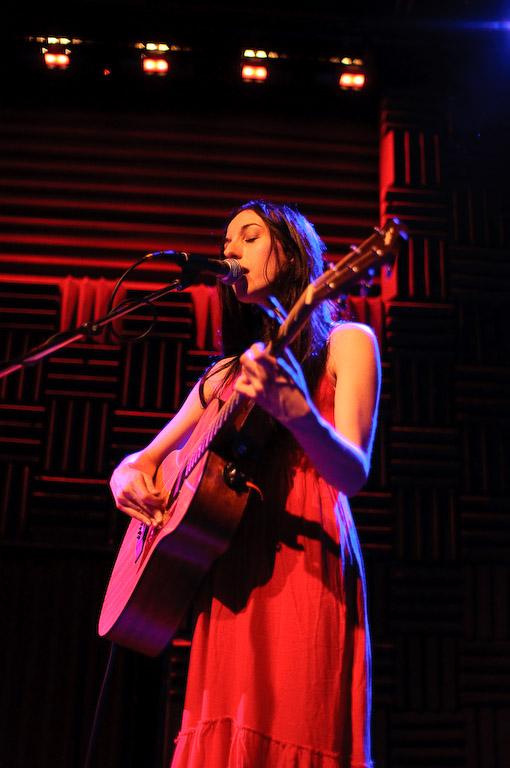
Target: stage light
252,69
352,75
153,66
58,40
56,60
56,51
256,74
352,80
154,58
161,47
252,53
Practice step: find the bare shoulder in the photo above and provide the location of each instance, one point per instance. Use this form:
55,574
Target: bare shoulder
215,376
352,333
354,343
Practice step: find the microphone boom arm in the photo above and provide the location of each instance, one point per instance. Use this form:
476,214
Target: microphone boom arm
93,327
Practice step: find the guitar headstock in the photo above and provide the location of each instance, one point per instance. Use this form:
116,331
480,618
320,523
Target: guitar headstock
378,250
359,266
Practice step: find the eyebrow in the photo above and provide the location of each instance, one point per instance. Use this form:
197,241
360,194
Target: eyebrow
245,226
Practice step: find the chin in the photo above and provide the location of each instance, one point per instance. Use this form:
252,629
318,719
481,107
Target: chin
245,295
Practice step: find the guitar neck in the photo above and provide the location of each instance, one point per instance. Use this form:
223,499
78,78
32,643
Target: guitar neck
224,414
287,332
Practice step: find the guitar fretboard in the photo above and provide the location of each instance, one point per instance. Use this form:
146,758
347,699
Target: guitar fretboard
221,419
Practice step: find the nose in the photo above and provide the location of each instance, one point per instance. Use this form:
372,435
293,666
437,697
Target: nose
230,251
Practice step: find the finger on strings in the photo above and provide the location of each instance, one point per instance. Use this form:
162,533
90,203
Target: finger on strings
259,368
144,505
292,359
286,368
298,371
257,351
137,514
289,375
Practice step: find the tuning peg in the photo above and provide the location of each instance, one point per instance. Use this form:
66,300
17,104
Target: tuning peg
388,270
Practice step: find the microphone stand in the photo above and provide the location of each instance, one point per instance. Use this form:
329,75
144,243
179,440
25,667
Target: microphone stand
93,327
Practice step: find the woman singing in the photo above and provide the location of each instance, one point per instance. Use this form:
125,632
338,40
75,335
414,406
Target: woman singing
279,674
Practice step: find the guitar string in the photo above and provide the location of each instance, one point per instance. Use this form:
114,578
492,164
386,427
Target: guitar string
221,418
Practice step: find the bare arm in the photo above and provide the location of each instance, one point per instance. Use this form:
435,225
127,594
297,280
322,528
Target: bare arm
341,454
132,483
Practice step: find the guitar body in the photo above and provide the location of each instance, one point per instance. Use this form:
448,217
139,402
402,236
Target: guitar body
147,596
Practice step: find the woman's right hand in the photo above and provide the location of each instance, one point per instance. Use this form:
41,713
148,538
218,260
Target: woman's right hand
135,493
132,482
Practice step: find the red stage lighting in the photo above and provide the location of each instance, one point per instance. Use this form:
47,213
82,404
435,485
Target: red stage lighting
153,66
56,51
56,60
353,80
254,73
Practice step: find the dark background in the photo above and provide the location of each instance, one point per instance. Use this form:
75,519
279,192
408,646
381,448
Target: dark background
98,170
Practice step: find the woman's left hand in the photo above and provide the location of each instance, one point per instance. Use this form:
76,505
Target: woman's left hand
278,386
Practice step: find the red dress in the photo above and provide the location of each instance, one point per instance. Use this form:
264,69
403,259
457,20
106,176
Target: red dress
279,674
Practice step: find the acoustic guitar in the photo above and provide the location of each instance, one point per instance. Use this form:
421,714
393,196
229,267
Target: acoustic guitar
158,569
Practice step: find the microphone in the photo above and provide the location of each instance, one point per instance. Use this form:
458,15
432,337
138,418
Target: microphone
225,270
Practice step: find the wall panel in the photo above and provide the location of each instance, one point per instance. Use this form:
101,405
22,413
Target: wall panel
446,322
83,197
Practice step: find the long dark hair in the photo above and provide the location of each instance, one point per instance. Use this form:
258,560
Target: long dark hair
244,324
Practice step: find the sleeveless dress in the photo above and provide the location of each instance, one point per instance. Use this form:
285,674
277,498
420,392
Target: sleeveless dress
279,673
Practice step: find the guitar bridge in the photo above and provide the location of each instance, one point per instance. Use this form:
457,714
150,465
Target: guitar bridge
140,540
